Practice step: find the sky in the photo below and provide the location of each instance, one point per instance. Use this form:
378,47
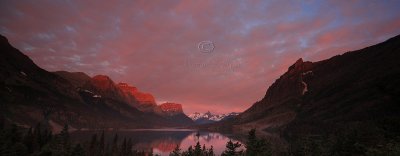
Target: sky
158,46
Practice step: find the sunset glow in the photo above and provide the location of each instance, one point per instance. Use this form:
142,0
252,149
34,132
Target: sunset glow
154,45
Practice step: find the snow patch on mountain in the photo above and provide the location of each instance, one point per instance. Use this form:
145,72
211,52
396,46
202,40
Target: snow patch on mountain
23,73
305,89
210,117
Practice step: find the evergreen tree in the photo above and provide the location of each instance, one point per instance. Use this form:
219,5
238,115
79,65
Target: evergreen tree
65,139
59,145
46,137
14,134
204,150
45,151
107,150
211,151
114,148
78,150
2,122
257,147
28,140
19,149
190,151
251,144
101,145
93,146
2,140
44,144
176,151
231,149
263,148
12,145
197,149
129,147
149,154
124,147
38,137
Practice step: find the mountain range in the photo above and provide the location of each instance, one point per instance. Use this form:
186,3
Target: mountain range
353,93
208,117
31,95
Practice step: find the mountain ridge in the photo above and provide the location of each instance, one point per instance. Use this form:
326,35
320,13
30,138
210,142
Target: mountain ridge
328,95
32,95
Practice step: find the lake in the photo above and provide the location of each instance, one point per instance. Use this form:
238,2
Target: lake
161,141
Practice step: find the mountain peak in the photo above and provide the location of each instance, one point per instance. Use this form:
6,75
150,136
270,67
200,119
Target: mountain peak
3,40
101,78
297,64
300,66
127,88
299,61
103,82
168,106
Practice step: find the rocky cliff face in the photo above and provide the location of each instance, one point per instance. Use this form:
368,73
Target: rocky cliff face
290,87
169,109
173,111
104,86
142,101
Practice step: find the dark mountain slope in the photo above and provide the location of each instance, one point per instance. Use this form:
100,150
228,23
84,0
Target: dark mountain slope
346,105
356,89
77,79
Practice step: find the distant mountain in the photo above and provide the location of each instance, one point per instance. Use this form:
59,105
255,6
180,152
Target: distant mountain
356,94
169,109
102,88
30,95
174,112
208,117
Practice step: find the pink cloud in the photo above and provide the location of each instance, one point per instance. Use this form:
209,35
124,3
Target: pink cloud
149,43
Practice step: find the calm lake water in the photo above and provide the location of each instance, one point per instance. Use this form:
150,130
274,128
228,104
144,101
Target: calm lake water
161,141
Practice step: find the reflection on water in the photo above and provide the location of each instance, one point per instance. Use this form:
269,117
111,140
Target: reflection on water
161,141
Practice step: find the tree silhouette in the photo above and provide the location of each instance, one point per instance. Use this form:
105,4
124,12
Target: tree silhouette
124,148
78,150
197,149
176,151
189,152
114,148
257,147
29,140
231,149
101,147
93,146
211,151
